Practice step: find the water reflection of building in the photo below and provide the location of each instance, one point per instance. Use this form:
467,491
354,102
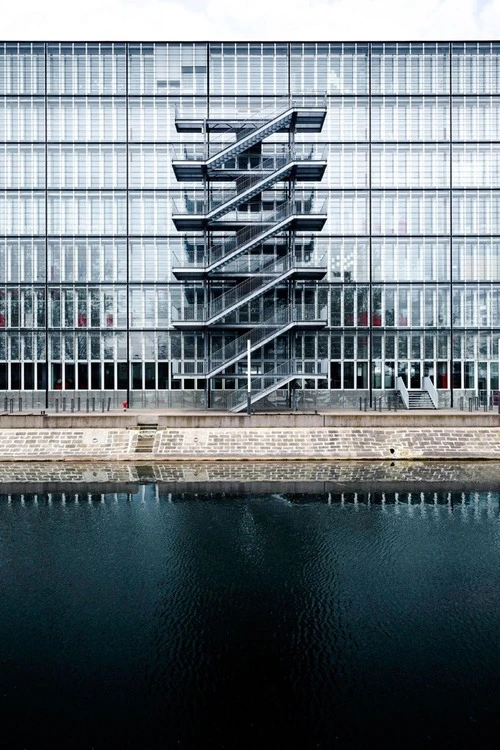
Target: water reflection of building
110,272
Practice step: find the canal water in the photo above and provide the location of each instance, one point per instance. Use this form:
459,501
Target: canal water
168,615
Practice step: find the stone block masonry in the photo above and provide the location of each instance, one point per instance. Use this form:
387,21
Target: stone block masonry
252,443
50,445
369,443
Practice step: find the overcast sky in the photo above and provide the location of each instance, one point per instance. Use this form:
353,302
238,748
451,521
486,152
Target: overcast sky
250,19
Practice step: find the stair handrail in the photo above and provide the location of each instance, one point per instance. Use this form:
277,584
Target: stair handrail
255,120
248,263
180,111
195,153
260,333
431,390
270,272
291,368
220,202
244,235
246,181
284,370
238,346
228,245
403,390
252,217
267,114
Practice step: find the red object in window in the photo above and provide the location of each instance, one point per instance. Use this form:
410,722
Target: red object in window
377,320
2,320
82,320
109,320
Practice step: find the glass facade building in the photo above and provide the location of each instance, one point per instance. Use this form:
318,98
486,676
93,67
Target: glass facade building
105,291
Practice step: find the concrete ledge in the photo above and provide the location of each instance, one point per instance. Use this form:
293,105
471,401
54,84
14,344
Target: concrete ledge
203,419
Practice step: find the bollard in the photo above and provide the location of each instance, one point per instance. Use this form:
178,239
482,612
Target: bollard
11,405
102,405
64,403
78,403
57,405
109,404
88,406
470,404
72,404
93,403
461,402
6,404
20,403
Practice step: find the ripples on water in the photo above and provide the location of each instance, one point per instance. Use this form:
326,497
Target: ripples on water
270,620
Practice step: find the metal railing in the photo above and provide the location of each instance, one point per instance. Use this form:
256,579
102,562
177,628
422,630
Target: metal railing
257,120
401,387
197,152
272,170
251,129
188,111
270,273
243,240
236,349
431,390
264,383
250,234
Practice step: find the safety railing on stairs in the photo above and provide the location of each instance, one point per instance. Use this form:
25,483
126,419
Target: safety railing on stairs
257,120
254,129
403,390
261,113
226,249
247,186
247,237
431,390
267,382
236,349
248,162
271,272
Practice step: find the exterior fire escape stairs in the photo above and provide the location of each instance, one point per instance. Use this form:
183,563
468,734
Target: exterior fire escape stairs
232,259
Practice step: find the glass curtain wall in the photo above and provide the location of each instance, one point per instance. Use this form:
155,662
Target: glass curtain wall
87,242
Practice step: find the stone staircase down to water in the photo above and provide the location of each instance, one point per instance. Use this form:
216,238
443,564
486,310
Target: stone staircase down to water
146,438
418,400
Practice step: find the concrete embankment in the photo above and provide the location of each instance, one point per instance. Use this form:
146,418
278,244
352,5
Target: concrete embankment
202,436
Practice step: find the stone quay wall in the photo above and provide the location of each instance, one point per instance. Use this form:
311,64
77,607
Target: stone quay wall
161,443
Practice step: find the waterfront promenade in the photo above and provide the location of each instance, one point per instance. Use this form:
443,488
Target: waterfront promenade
184,435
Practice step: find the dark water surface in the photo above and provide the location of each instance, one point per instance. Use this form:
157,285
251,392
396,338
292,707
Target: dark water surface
154,619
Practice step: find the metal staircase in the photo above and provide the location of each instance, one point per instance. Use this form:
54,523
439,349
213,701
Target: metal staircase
260,254
261,334
267,225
